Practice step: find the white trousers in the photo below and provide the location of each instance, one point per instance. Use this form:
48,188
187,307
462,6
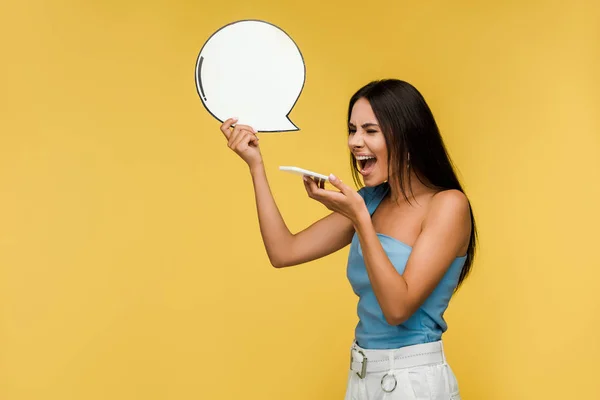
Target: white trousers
408,373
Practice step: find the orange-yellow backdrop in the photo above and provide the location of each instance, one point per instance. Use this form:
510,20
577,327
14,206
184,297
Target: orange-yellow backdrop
131,265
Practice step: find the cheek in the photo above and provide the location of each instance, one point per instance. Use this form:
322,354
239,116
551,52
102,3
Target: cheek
382,162
381,148
382,157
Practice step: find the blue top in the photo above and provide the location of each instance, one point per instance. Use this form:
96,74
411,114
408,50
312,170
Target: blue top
427,323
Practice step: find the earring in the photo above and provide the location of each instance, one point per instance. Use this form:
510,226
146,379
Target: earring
408,161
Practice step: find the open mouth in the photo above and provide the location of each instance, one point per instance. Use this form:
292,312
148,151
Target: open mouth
366,164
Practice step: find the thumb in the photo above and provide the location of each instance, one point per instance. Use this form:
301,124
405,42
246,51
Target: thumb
335,181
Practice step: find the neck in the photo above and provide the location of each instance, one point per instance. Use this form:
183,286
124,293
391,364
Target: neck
412,189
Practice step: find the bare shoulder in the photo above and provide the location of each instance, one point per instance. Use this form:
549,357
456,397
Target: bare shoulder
450,201
450,210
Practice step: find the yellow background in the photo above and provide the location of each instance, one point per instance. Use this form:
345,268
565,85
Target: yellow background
131,265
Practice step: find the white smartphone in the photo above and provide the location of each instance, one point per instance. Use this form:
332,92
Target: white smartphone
301,171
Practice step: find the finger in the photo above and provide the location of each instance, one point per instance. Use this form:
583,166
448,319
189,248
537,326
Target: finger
316,190
335,181
317,184
226,127
237,131
243,137
253,140
307,186
310,185
247,127
308,181
244,141
328,197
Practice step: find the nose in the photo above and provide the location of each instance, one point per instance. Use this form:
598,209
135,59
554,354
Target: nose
355,140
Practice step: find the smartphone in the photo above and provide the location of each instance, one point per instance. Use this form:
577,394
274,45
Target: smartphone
301,171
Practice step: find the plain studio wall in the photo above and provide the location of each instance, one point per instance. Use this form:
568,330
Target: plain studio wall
131,264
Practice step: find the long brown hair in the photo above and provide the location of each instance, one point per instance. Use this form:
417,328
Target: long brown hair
409,127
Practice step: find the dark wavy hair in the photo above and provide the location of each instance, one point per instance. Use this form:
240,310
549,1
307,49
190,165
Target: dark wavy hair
409,127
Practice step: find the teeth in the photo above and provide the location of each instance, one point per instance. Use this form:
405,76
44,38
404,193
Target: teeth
364,157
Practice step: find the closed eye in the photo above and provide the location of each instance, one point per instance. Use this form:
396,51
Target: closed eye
369,127
370,131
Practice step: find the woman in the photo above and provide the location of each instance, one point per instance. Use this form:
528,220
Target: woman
412,237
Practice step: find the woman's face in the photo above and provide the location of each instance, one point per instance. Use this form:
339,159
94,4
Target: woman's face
367,143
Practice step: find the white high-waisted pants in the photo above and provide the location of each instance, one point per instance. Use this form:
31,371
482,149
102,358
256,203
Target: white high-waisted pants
408,373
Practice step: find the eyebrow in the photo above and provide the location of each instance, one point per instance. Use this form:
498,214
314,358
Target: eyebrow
364,126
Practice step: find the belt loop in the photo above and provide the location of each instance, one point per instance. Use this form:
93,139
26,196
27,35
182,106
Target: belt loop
443,352
390,375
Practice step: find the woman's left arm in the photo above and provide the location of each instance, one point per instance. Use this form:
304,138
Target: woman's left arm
444,231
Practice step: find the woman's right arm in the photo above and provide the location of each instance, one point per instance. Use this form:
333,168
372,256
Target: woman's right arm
283,248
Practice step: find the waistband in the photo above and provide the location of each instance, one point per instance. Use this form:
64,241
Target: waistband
363,361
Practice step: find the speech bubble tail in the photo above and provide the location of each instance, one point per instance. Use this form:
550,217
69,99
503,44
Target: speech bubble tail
284,125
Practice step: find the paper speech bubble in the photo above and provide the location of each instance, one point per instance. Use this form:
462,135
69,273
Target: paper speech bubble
251,70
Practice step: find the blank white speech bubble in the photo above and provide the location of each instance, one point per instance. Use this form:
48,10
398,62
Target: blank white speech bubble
251,70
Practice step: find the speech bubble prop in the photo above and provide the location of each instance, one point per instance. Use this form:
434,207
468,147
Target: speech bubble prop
251,70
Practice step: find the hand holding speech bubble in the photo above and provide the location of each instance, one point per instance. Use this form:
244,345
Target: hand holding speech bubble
251,70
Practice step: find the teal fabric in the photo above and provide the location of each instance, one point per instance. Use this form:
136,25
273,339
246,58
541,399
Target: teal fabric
427,324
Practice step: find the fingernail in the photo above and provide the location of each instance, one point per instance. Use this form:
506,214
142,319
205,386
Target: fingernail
305,179
332,177
235,118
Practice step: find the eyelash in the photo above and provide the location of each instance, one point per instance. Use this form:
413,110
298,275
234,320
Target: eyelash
352,131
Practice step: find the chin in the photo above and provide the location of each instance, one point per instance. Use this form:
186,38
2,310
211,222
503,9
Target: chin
372,180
